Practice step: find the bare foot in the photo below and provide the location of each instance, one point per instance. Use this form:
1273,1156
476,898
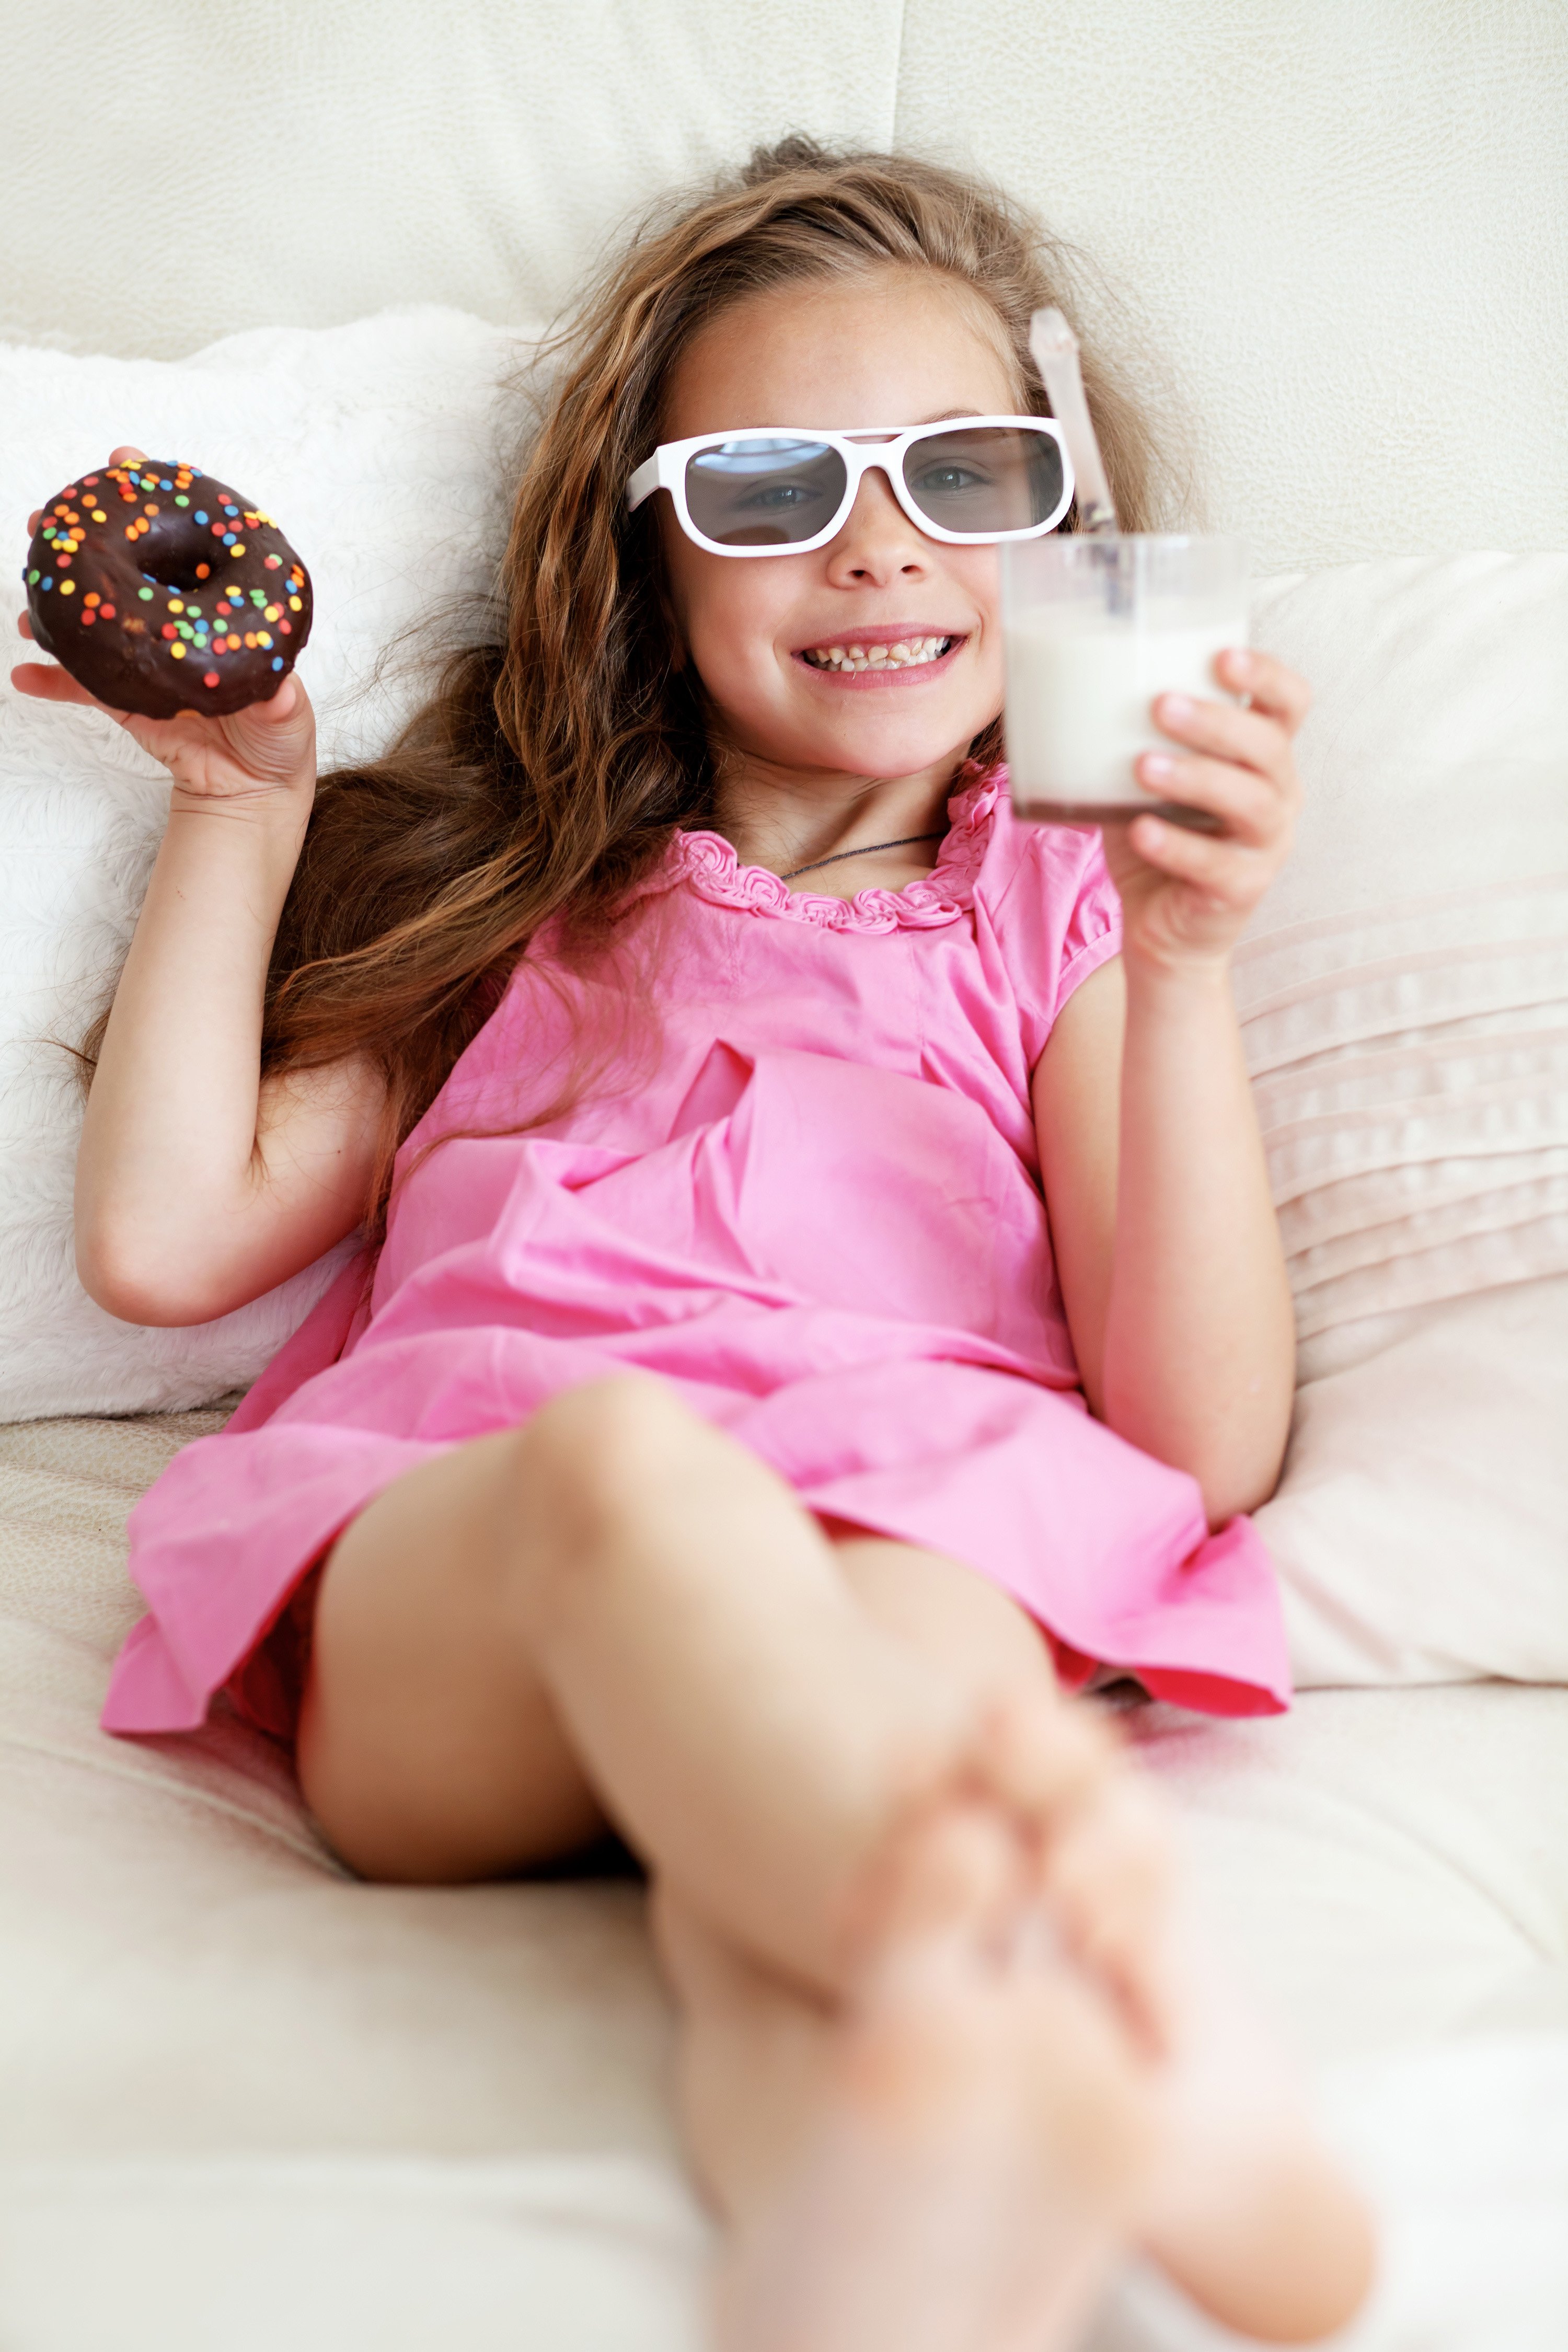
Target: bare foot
1245,2208
986,2132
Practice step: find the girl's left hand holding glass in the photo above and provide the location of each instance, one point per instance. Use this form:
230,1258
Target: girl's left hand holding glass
1187,896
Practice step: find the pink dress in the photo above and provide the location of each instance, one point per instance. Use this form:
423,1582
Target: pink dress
797,1180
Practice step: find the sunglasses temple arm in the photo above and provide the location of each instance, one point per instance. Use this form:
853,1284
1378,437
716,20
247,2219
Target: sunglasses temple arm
644,482
1053,347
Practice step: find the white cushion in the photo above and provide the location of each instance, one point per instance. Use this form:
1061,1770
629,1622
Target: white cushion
381,447
1335,252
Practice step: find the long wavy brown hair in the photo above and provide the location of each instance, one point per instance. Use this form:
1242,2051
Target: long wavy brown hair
546,772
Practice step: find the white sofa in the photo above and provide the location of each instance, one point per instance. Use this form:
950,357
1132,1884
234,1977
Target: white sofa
247,2100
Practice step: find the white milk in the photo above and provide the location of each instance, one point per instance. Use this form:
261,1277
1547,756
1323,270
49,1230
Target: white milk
1079,684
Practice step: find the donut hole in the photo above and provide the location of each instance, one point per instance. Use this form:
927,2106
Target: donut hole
177,571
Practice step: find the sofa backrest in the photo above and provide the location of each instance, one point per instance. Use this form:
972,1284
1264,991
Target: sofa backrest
1334,228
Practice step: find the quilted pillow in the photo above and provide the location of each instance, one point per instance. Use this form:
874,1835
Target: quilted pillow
1404,1002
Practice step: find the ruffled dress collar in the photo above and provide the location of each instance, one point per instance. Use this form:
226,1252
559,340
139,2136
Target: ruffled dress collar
708,864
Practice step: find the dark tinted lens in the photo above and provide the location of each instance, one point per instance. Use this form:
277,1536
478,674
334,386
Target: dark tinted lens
985,479
758,490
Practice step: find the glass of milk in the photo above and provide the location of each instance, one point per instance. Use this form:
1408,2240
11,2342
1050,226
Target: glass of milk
1096,626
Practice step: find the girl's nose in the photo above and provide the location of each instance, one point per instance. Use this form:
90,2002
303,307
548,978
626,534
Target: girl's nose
878,542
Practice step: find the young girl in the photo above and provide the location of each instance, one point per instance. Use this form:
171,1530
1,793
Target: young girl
826,1303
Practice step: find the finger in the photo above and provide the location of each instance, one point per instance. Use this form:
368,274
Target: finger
1251,807
25,625
1268,685
1228,872
46,683
34,520
1249,738
126,456
280,705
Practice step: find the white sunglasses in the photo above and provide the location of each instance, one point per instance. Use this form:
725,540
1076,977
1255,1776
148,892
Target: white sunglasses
784,490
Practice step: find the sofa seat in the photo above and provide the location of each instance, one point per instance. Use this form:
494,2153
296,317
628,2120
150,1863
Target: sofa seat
241,2091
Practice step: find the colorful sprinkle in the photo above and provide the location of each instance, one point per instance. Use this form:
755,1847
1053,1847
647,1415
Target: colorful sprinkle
92,597
211,678
198,516
179,502
145,594
106,612
68,587
178,652
168,630
278,661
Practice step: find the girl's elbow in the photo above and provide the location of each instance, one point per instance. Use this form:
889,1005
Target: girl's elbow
131,1283
1232,1486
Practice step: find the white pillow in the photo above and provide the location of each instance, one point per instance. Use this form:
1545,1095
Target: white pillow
1421,1530
382,448
1404,998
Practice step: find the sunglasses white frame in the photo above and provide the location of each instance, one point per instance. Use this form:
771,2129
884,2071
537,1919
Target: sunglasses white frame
861,448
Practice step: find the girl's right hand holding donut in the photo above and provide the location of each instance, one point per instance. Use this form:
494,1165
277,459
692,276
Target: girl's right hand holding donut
268,749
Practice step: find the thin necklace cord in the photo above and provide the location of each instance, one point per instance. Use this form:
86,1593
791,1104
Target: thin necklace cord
905,840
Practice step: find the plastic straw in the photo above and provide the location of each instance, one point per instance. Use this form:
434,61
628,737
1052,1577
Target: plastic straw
1054,348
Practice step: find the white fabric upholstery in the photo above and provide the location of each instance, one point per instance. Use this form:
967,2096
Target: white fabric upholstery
1336,231
1421,1529
243,2099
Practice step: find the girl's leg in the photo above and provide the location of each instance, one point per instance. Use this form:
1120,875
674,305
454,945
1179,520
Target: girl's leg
1239,2203
617,1612
949,2159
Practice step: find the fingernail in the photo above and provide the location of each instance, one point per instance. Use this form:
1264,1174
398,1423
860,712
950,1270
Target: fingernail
1175,705
1241,663
1156,767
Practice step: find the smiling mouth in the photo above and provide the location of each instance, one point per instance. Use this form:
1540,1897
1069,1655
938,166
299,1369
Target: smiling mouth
905,652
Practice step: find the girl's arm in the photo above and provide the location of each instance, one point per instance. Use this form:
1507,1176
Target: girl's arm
198,1187
1166,1244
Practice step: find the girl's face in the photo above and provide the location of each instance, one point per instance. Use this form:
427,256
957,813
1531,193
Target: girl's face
895,348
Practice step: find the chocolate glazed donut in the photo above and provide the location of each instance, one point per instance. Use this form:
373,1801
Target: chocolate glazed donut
161,591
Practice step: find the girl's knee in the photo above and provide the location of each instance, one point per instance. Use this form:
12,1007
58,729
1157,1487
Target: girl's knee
607,1440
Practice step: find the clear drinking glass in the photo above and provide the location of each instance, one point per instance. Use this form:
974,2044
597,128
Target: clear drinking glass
1096,627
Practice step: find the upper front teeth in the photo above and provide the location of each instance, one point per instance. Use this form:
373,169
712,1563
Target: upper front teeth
904,655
